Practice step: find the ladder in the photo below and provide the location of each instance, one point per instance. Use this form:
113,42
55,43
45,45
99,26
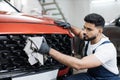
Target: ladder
52,8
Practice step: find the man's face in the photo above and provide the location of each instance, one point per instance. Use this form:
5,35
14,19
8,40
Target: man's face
90,31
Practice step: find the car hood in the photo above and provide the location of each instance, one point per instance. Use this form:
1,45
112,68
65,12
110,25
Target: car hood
22,19
12,24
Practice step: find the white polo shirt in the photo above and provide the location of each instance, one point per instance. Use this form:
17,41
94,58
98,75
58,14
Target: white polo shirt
106,53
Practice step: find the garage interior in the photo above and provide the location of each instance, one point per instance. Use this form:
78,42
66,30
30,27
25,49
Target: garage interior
75,11
72,11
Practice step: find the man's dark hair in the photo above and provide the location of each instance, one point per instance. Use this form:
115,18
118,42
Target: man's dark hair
96,19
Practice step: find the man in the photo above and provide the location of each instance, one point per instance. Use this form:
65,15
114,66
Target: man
100,53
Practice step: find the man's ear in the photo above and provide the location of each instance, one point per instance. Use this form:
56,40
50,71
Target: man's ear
100,29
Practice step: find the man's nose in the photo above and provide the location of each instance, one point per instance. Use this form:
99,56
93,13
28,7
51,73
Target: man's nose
84,31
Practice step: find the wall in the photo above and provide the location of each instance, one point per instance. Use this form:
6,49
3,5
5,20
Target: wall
109,10
81,9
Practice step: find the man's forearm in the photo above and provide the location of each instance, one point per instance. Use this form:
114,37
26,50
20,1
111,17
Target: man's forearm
84,63
64,59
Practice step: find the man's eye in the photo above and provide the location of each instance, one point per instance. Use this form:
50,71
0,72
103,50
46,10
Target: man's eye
89,29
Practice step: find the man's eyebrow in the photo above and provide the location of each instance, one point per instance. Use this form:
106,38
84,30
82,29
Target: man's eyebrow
87,28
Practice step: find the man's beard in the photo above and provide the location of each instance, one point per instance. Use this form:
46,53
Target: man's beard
89,39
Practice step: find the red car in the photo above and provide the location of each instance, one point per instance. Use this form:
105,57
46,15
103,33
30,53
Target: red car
14,30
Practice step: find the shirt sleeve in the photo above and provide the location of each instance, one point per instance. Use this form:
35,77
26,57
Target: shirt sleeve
105,52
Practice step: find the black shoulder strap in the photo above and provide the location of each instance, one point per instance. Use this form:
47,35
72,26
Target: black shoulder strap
86,48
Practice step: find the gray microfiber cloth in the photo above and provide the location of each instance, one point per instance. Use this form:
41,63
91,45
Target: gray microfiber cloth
34,44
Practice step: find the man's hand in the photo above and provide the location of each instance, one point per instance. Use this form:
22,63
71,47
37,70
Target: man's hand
44,49
63,24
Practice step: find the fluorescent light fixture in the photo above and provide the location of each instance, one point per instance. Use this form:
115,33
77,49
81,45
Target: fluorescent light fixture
101,1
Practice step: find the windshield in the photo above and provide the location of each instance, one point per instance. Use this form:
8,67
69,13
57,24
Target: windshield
6,8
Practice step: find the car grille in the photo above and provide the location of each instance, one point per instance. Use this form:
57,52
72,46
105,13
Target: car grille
13,58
